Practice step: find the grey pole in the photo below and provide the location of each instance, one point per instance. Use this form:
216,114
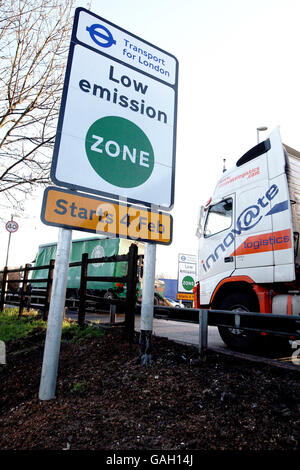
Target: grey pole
147,303
8,245
56,315
203,324
260,129
9,237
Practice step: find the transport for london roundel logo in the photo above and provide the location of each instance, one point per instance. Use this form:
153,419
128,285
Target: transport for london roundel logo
119,151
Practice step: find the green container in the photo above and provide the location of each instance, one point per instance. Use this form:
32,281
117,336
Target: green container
96,247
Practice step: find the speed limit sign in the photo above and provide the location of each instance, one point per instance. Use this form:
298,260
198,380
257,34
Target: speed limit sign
11,226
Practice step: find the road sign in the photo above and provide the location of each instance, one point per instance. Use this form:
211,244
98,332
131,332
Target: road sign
117,125
181,296
68,209
11,226
187,269
115,137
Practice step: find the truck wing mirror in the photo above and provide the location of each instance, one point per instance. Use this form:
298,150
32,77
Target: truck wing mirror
199,230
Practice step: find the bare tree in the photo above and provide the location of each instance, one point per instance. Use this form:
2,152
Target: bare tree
34,40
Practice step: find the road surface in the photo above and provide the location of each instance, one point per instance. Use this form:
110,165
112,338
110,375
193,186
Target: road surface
178,331
188,333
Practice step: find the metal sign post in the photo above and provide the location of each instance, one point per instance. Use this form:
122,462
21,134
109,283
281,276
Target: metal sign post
56,315
147,303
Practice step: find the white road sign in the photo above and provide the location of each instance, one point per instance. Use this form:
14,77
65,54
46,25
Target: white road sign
117,126
11,226
187,268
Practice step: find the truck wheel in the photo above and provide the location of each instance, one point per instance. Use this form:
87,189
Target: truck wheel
276,345
236,339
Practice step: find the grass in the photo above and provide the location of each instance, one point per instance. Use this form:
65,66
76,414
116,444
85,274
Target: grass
13,327
73,333
79,387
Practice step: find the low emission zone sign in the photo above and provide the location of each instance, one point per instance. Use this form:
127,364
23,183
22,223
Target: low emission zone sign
117,126
187,268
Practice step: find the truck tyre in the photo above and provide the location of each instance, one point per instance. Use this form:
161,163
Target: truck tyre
238,340
276,345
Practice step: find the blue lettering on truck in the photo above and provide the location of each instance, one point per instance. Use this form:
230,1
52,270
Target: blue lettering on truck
249,218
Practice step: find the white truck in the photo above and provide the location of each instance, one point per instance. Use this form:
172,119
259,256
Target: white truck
249,238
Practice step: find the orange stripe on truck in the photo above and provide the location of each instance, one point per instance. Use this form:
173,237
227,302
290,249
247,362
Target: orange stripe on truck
290,305
280,240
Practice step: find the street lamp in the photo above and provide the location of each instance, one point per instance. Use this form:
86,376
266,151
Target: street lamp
258,129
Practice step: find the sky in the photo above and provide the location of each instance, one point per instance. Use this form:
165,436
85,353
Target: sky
238,70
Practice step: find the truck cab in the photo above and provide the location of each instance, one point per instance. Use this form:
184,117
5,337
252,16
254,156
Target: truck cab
249,236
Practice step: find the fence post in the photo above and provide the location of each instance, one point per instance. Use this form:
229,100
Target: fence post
131,291
203,325
3,287
23,289
112,313
49,289
82,301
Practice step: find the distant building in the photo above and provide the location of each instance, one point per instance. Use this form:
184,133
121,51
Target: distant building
170,291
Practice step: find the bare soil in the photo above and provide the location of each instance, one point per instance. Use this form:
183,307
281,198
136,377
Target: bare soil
106,400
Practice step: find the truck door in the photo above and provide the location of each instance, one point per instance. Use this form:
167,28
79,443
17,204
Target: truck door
216,245
254,233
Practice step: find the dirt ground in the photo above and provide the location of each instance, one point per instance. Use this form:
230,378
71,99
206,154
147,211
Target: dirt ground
107,401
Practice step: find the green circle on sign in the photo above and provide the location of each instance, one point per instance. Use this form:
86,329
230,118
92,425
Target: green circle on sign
188,283
119,151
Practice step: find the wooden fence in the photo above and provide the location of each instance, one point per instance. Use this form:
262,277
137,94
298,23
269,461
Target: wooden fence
22,297
27,295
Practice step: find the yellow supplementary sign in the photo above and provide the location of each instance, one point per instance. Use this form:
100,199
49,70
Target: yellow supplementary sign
181,296
64,208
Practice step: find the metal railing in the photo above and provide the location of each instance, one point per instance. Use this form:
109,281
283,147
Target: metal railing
256,322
